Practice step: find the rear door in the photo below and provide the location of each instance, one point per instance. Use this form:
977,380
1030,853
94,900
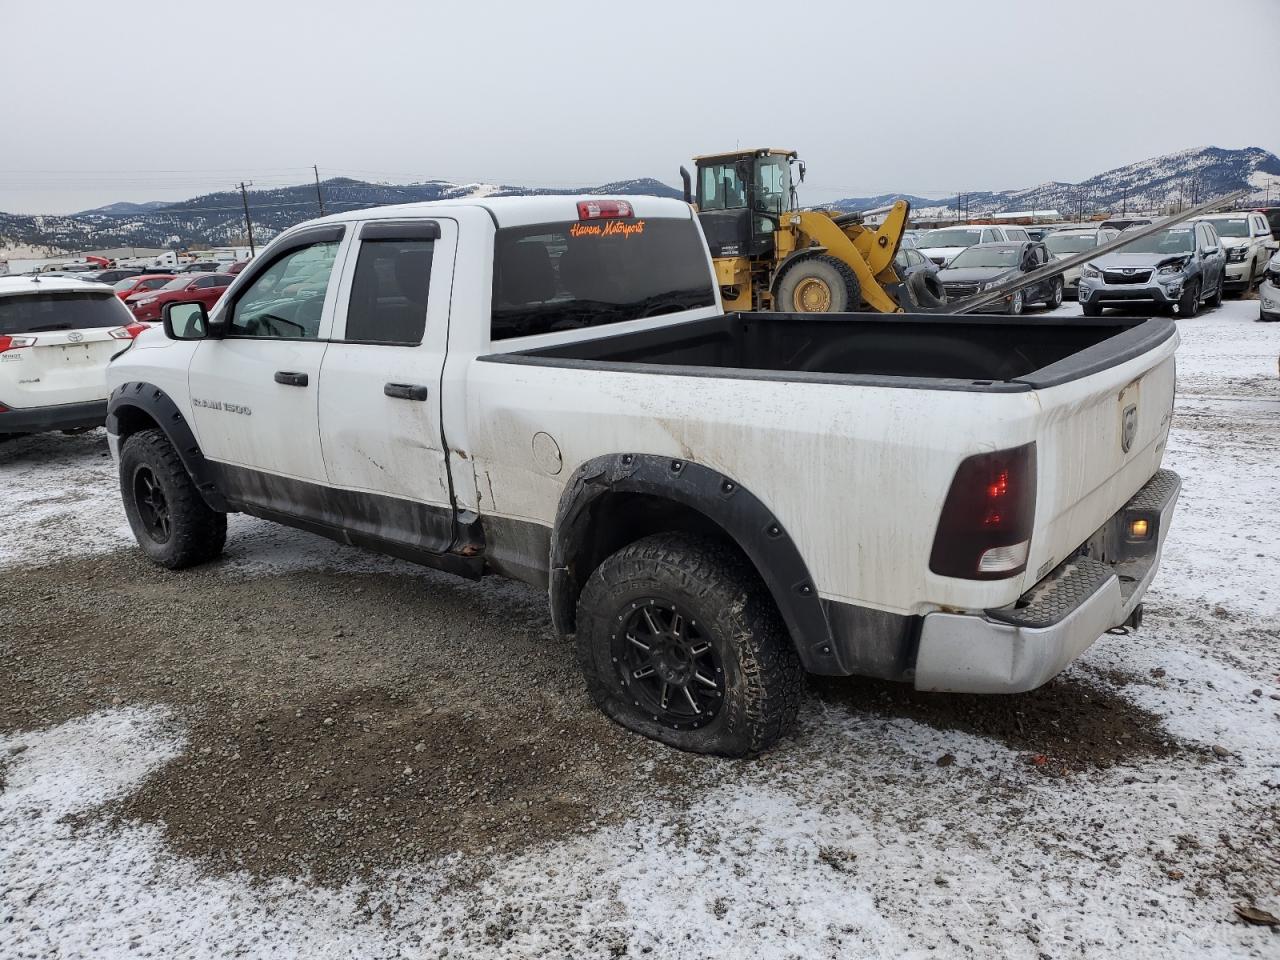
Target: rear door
57,346
380,403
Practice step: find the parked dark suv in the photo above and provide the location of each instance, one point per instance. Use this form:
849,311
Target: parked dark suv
1184,265
974,269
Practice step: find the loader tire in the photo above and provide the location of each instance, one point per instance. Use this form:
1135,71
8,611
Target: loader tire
819,284
925,290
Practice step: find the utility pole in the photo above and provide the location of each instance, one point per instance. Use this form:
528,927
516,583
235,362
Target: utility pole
1124,204
319,195
248,224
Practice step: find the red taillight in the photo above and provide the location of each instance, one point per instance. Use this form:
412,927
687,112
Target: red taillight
130,331
985,529
15,343
604,209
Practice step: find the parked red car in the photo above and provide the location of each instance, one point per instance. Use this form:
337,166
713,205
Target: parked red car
187,288
128,286
237,267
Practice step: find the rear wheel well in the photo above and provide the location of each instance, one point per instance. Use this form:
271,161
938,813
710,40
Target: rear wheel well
615,520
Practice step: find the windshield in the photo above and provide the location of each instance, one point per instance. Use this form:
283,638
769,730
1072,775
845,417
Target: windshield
950,238
177,283
125,284
988,256
1230,226
564,276
32,313
1173,240
1061,244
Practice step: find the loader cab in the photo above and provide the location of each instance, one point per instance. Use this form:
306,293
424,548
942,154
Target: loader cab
741,198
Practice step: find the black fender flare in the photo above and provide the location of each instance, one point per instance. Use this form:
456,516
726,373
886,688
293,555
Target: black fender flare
791,258
149,399
722,500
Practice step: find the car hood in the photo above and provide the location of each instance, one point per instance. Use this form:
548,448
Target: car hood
1230,242
947,252
1149,261
973,274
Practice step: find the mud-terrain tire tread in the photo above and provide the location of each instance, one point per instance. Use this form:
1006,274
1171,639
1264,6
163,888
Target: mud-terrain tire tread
921,294
199,533
762,706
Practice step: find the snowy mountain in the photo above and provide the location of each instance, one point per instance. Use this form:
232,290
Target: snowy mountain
218,218
1158,184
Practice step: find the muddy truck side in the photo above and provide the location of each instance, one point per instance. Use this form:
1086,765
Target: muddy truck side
547,388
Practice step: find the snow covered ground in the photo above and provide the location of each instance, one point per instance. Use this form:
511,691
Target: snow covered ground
874,833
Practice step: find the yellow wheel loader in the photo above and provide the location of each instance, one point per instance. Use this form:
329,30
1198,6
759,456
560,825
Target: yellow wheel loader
769,255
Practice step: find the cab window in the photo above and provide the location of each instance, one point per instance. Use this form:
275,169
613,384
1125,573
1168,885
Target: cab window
287,299
389,293
722,189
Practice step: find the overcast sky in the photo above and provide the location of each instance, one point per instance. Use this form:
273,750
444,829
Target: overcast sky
156,101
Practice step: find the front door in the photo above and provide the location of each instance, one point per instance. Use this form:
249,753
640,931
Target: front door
254,391
380,404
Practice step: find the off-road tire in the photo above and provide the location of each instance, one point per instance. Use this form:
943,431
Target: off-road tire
763,681
841,281
196,533
1091,308
1189,302
926,290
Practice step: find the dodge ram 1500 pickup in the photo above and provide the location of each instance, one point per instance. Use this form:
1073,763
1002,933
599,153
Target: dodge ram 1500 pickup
547,388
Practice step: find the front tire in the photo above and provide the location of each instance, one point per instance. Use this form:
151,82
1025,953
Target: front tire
171,522
818,285
1055,295
1216,299
1091,308
1016,303
679,641
1189,302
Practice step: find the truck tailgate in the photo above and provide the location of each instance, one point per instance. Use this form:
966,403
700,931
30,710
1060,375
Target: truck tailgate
1100,438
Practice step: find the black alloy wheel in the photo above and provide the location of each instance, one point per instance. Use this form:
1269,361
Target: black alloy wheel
666,664
153,508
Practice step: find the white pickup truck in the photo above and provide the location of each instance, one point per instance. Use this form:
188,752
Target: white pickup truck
547,388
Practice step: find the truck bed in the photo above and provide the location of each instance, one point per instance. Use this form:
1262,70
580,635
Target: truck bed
984,353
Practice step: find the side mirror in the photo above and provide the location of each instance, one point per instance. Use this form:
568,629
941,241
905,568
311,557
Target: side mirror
186,321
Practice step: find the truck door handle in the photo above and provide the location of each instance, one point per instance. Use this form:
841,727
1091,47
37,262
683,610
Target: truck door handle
291,379
405,391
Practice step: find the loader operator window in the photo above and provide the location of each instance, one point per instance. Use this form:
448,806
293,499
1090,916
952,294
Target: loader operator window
722,189
552,277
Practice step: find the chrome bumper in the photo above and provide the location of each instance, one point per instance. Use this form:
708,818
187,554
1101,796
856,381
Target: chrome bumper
1017,648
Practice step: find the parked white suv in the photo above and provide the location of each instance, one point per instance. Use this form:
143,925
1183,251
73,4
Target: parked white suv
1269,292
56,338
1072,240
1249,245
944,243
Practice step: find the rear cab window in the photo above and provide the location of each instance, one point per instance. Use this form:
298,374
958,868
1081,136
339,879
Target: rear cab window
560,276
37,312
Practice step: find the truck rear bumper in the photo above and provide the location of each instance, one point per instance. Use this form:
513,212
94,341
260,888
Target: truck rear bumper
1017,648
62,416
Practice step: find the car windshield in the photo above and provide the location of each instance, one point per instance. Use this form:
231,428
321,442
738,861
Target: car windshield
989,256
32,313
1061,244
1231,226
1173,240
178,283
950,238
125,284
